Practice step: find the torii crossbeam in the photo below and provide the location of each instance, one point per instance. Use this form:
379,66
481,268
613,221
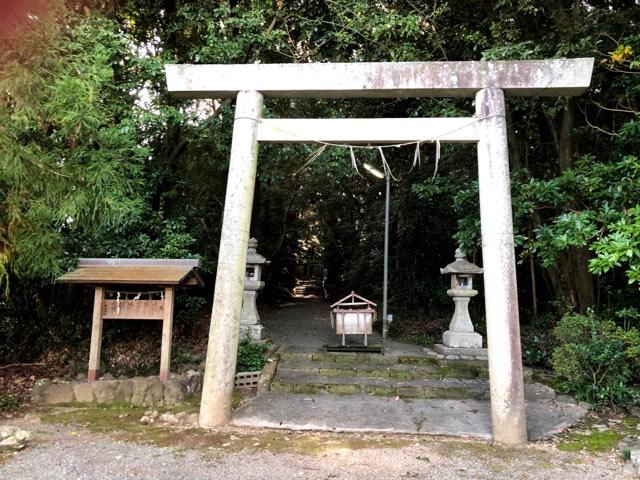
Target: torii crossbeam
488,82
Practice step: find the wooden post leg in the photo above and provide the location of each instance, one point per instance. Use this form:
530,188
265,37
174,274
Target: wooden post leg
167,332
96,335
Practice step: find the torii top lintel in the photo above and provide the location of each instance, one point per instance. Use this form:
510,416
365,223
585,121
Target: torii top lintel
384,79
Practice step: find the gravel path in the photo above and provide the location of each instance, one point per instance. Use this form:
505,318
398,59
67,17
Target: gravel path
62,452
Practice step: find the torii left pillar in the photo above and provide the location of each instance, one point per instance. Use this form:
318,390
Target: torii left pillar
222,351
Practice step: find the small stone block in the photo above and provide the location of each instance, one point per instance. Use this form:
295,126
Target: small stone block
56,393
155,393
105,390
470,352
251,332
462,339
124,391
84,392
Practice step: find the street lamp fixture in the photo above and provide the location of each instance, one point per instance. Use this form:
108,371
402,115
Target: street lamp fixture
373,171
385,280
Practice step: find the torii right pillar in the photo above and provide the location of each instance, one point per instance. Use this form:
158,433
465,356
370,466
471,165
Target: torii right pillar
498,260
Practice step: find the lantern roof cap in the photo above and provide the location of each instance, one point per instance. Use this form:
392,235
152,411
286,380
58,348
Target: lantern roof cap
461,265
252,253
354,298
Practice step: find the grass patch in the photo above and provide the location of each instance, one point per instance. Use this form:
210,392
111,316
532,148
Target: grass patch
597,441
123,423
594,442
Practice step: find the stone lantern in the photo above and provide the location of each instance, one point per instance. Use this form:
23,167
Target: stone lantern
461,339
249,319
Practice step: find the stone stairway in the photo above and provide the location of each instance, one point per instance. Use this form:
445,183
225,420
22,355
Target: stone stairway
389,376
360,392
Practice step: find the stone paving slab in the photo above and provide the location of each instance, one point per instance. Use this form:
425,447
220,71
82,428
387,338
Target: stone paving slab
363,413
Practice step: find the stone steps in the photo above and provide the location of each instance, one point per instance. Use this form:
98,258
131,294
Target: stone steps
400,371
388,376
425,388
353,385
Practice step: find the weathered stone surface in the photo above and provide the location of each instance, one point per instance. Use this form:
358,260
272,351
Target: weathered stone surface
154,394
175,391
7,431
194,382
124,391
12,438
10,443
53,393
140,386
105,391
23,436
83,392
566,399
631,444
471,352
386,414
251,332
537,391
382,79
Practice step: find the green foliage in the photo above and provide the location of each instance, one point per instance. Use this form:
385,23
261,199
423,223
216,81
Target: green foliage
8,403
251,356
97,159
538,341
596,360
69,153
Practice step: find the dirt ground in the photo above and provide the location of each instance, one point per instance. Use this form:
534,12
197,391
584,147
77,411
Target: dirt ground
111,443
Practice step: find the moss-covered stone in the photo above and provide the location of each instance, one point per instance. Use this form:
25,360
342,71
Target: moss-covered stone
307,388
281,387
338,371
413,360
338,389
459,371
379,390
409,391
448,393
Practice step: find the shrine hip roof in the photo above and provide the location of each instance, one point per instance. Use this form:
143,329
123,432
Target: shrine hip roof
123,271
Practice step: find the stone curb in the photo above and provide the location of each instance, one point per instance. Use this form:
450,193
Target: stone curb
138,391
269,370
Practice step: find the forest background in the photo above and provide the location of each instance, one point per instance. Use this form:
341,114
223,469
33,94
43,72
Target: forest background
98,160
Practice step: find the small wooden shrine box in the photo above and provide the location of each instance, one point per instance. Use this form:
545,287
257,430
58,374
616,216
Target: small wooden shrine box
133,289
353,315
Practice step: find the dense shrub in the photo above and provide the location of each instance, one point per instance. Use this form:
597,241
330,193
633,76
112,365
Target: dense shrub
538,341
251,356
596,360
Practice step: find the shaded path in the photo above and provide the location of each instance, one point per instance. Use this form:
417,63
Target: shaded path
304,325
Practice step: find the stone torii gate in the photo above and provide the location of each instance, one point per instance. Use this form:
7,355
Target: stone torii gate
488,82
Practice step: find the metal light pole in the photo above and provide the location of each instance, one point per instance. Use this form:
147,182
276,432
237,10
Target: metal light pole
385,279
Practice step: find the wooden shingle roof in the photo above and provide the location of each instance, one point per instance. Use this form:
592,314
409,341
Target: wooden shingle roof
123,271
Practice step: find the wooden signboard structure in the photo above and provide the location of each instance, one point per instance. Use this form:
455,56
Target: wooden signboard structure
353,315
133,289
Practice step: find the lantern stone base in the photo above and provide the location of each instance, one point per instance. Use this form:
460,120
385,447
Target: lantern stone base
252,332
461,352
451,338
